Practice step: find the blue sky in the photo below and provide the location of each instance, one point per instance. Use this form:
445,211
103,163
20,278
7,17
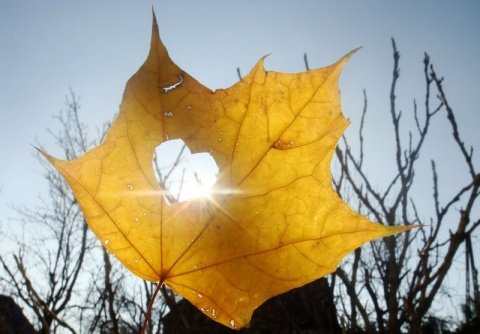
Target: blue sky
94,47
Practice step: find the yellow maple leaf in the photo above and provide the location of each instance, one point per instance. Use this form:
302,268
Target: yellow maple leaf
273,221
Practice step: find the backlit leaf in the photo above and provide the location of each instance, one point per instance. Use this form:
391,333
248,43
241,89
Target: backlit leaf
273,221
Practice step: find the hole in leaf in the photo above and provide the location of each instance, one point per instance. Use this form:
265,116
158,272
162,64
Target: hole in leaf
183,175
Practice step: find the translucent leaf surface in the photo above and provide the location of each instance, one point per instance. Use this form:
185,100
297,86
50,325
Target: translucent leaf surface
273,222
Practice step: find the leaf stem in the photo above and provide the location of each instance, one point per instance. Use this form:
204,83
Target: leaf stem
150,307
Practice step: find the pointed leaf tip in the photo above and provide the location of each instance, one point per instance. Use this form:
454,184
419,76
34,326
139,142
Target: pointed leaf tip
47,156
154,22
154,17
351,53
393,230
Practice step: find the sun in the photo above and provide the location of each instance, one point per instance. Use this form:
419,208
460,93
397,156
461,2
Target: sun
197,186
